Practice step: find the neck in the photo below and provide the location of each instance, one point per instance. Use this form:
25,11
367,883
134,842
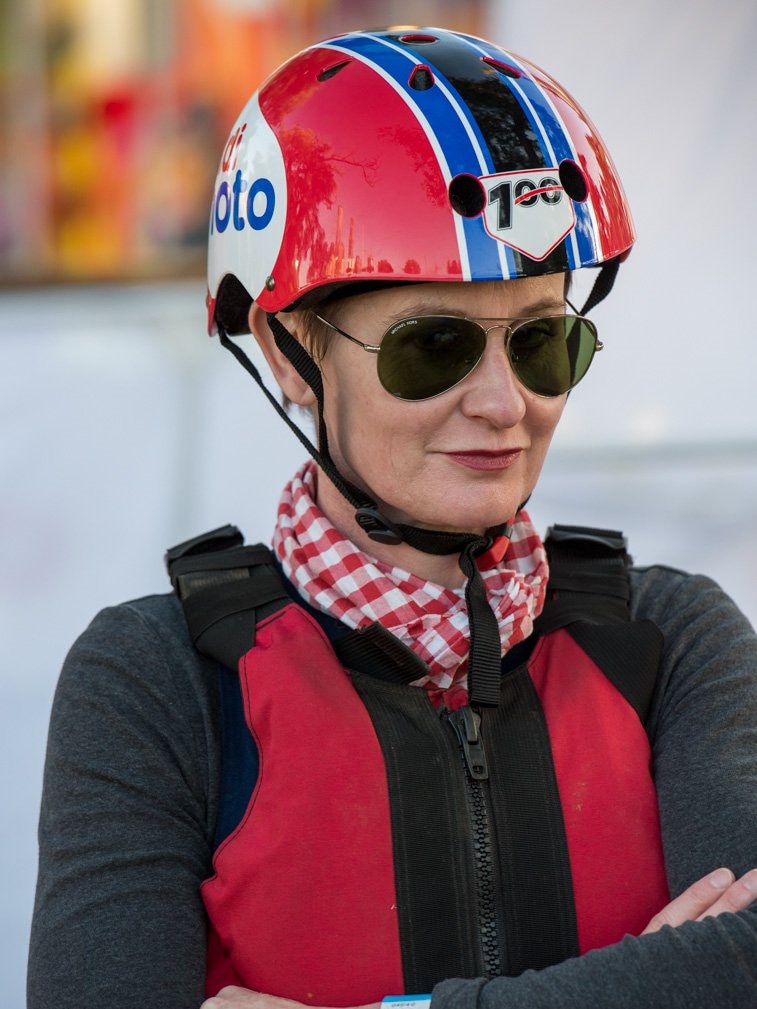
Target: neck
442,570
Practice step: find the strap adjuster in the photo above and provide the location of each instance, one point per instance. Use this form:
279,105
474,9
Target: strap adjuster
222,538
608,539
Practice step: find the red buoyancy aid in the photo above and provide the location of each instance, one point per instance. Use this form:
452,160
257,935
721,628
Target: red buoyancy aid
309,895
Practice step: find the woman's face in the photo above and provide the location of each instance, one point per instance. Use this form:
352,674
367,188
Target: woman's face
464,460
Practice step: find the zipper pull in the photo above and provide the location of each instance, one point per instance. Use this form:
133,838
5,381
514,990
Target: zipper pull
466,723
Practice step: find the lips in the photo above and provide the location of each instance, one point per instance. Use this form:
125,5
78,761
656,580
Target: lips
485,460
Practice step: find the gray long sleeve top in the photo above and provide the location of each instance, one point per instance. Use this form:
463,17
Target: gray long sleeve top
131,795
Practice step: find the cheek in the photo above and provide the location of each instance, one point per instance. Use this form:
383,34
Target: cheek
543,415
378,437
359,414
541,421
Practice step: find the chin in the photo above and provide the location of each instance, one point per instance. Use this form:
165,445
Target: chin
460,521
479,516
447,506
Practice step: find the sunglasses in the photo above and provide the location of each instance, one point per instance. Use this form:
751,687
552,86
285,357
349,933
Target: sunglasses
426,355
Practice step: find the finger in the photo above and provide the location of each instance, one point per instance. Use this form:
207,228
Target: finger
737,897
231,996
693,902
234,997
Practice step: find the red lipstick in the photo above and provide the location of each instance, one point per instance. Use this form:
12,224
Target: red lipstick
487,461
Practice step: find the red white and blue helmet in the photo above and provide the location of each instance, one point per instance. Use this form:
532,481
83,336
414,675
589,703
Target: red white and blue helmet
406,155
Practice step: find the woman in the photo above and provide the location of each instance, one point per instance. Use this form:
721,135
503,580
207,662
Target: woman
431,757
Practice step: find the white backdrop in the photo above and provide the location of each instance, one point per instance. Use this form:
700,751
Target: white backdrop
672,89
124,430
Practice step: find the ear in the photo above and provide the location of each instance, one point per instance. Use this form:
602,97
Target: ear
294,387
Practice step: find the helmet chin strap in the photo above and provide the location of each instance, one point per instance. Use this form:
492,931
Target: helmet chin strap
485,650
602,285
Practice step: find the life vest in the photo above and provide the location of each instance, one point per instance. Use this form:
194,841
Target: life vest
388,844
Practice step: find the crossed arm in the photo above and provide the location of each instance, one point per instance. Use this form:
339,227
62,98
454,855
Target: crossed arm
715,894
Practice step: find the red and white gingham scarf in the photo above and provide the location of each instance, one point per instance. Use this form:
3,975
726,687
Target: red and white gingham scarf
334,576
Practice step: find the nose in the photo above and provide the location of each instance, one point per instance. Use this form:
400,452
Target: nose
492,391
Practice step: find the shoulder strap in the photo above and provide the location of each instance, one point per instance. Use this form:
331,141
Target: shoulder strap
589,594
588,577
224,587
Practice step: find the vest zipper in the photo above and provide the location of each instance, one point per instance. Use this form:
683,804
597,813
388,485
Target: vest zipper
466,723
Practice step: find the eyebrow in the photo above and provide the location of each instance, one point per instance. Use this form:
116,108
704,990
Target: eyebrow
429,307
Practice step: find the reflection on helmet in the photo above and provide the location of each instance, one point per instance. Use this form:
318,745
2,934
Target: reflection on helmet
406,155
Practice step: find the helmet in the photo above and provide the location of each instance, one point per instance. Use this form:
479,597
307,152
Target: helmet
406,155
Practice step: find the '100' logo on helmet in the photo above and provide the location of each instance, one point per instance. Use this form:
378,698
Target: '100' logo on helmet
527,210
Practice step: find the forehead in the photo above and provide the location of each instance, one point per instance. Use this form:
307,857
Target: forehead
479,299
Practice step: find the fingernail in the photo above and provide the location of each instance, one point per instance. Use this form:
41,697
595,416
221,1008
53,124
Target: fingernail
750,881
721,878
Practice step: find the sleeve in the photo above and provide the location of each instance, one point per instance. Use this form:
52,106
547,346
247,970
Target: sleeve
124,829
703,729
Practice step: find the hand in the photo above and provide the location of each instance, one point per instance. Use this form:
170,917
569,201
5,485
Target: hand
232,997
243,998
712,895
717,893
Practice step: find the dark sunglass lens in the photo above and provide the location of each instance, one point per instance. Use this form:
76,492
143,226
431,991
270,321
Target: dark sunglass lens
425,356
552,355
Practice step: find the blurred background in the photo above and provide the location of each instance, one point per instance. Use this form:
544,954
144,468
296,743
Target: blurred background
124,429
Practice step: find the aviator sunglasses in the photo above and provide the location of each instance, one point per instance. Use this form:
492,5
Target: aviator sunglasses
426,355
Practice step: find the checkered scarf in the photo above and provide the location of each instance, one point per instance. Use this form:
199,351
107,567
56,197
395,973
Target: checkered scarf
334,576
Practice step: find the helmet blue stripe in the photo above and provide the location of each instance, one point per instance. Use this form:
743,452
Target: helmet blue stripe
555,142
501,118
458,138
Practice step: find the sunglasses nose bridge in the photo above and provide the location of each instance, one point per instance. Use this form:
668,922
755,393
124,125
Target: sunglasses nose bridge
498,325
508,332
508,328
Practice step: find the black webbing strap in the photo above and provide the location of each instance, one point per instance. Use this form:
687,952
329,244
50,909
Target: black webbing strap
589,593
485,649
602,285
224,588
309,373
377,651
539,912
588,577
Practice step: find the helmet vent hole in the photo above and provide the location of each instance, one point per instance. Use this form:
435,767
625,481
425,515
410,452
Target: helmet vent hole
415,40
504,68
467,196
573,180
421,79
331,71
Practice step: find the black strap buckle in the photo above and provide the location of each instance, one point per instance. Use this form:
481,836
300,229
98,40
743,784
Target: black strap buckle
378,527
608,539
222,538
